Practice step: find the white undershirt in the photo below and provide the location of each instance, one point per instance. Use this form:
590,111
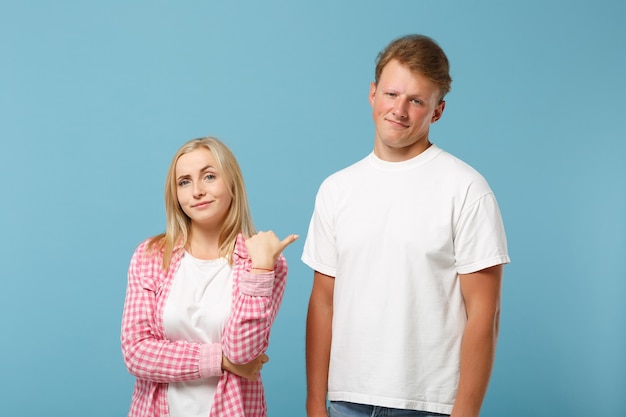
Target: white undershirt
196,311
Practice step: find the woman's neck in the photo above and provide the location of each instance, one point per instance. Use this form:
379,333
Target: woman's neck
203,245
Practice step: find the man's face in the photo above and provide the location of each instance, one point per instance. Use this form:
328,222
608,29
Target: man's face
404,104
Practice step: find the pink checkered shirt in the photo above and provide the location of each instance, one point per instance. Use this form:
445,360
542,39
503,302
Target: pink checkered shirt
156,361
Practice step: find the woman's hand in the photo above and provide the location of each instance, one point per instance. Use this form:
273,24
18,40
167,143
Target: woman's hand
264,248
250,370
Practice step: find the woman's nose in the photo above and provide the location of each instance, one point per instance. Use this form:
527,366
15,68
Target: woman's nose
198,190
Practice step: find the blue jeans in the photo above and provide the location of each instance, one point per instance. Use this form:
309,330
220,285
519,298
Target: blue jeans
345,409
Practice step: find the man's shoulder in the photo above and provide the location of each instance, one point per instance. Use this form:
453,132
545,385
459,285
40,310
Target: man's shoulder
456,165
346,173
355,167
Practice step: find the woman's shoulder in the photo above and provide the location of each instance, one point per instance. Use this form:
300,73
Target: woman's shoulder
148,245
149,253
147,262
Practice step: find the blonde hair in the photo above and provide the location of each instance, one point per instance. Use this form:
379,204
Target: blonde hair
178,224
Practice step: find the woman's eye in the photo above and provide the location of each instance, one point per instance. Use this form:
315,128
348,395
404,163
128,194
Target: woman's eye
182,183
209,177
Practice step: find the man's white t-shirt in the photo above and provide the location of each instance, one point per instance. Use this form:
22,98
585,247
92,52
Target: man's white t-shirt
395,235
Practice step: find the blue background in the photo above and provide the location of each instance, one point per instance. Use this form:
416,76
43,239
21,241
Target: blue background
95,97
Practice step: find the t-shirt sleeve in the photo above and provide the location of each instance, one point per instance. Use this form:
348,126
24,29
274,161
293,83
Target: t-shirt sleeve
320,251
480,240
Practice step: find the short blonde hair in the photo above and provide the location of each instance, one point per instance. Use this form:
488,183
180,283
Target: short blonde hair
178,225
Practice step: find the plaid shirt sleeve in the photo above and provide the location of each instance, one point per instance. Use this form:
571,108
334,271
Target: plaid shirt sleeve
256,302
256,298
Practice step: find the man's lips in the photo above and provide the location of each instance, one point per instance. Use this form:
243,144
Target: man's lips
397,123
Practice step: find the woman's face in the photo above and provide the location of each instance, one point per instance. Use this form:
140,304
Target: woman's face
201,189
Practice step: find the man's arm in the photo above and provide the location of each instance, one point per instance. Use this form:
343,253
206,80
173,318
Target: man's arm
318,337
481,292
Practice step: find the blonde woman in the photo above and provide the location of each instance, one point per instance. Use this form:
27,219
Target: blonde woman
201,297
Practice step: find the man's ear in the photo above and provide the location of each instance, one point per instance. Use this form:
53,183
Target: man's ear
438,111
372,93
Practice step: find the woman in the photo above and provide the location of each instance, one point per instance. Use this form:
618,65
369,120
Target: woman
201,297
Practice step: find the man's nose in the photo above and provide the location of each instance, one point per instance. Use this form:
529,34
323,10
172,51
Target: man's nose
400,109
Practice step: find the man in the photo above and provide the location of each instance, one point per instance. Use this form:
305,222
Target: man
408,247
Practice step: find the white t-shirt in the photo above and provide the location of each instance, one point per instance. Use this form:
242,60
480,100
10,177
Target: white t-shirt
196,310
395,236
